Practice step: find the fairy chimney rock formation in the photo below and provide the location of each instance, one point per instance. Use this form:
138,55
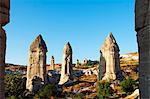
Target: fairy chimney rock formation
66,69
142,27
52,63
110,62
37,62
4,19
77,63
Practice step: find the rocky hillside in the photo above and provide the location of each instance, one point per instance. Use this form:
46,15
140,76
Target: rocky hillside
86,84
129,64
130,56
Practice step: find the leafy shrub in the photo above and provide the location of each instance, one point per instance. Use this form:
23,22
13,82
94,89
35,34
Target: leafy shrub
104,90
78,96
127,85
14,85
46,92
73,95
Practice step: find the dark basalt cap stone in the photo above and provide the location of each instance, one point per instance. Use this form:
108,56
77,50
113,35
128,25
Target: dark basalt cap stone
38,43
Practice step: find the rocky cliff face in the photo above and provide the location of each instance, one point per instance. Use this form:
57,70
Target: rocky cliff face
4,12
4,19
142,27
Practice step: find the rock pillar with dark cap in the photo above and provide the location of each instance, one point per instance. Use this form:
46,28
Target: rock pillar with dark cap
110,62
52,63
37,62
66,69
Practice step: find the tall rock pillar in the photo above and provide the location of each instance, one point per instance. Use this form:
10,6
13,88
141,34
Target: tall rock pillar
110,62
66,69
52,63
142,27
4,19
37,62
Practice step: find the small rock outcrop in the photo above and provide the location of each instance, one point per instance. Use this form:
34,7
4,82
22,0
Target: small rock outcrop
109,68
142,27
85,61
4,19
66,69
134,95
37,63
77,63
52,63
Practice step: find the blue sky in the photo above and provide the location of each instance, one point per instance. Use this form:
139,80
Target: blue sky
84,23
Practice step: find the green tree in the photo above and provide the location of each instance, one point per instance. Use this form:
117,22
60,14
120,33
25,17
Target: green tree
79,96
104,90
46,91
14,85
127,85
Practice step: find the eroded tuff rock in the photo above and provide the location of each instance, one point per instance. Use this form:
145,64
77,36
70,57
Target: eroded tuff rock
77,63
4,12
4,19
110,62
52,63
2,61
142,27
37,63
66,69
